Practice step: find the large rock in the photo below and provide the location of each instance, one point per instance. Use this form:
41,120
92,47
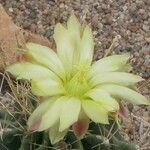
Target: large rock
13,38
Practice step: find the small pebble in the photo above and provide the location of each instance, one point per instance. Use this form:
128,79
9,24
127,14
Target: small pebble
10,9
146,27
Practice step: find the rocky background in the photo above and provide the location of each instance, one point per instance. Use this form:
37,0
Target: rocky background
128,20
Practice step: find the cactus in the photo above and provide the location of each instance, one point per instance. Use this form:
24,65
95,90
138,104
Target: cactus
14,136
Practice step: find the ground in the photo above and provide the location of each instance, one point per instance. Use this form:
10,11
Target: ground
128,20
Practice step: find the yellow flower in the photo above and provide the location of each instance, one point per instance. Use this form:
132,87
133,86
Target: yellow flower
74,88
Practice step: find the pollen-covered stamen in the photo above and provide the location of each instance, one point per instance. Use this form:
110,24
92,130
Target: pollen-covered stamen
77,86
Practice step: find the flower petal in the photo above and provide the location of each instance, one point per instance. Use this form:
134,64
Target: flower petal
46,87
70,113
81,126
30,71
74,30
95,111
52,115
104,99
65,46
125,93
123,111
121,78
45,56
35,118
110,63
86,47
55,135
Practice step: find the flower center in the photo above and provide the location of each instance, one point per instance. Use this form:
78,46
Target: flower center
77,86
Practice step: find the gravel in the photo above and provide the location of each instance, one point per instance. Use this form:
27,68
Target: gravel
130,19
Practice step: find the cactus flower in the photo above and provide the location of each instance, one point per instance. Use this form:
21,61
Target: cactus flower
75,91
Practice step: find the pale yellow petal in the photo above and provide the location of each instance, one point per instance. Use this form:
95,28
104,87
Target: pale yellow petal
36,116
65,46
55,135
45,56
47,87
52,115
86,47
110,63
74,29
70,112
121,78
104,99
95,111
30,71
125,93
